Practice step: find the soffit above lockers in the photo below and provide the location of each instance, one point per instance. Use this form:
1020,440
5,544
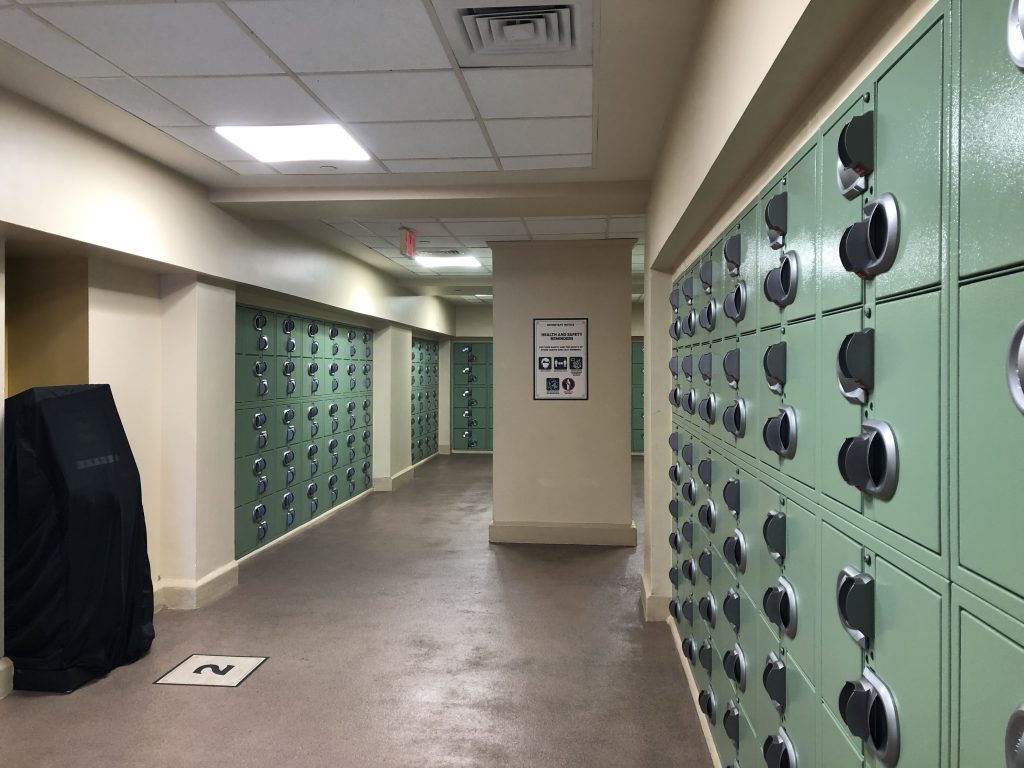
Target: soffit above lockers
471,236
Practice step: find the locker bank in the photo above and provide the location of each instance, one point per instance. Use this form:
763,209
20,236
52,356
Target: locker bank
597,383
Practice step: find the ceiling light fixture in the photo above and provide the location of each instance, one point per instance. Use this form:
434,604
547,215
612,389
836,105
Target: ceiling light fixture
293,143
433,262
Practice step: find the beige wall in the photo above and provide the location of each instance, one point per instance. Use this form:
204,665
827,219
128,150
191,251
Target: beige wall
47,320
392,390
125,334
474,321
637,320
62,179
562,469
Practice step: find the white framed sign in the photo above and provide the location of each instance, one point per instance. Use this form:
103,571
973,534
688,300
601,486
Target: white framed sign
560,364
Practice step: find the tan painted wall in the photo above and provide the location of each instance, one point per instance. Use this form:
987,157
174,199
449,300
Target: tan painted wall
637,320
47,320
392,386
125,334
562,463
62,179
474,321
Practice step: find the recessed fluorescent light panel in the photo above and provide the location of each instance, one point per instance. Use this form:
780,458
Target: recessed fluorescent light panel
293,143
433,262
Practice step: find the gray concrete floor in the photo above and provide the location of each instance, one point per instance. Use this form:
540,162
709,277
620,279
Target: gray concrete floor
396,636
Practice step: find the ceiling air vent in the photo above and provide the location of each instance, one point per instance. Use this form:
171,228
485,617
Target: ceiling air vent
521,29
506,33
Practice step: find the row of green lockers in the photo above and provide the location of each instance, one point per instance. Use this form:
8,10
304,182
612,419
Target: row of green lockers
303,421
848,413
636,421
425,383
472,384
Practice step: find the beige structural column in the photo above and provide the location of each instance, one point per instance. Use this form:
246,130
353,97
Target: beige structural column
658,455
444,396
562,469
392,408
6,670
197,412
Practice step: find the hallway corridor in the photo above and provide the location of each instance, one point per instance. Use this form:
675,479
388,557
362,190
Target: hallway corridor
395,636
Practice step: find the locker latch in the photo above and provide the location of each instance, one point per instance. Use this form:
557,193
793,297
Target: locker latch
773,678
856,158
869,711
673,299
735,551
708,408
690,650
780,284
704,472
705,367
708,609
705,656
706,273
690,402
708,515
689,491
709,315
708,704
869,247
731,723
1015,367
704,563
780,606
774,364
855,600
689,322
1014,739
855,365
779,433
686,367
870,461
733,252
734,418
778,750
687,454
686,287
731,609
731,367
774,531
735,304
776,218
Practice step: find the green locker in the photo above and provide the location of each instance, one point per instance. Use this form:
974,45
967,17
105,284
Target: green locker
988,690
742,362
749,750
835,750
286,330
910,124
800,402
254,332
251,528
636,441
991,431
741,295
253,380
312,339
850,129
770,371
991,92
906,397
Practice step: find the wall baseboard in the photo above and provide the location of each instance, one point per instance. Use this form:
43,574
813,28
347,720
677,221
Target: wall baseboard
655,606
692,686
444,450
588,534
394,482
184,595
6,676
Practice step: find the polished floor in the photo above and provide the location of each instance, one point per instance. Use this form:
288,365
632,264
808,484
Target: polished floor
396,637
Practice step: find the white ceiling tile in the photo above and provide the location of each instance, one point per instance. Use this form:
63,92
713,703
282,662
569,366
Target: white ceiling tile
257,100
437,242
426,228
383,227
546,161
618,224
346,35
164,38
391,141
207,141
571,236
380,97
558,136
136,98
350,227
442,166
321,167
484,228
474,241
374,242
567,225
530,92
55,50
249,168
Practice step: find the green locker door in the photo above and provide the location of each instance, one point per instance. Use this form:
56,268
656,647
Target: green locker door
838,417
909,158
910,658
286,330
740,309
991,432
841,657
836,286
988,671
991,135
749,752
801,394
802,705
768,399
802,568
802,235
835,750
906,397
254,332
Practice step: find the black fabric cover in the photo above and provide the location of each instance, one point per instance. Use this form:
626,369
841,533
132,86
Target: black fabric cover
78,596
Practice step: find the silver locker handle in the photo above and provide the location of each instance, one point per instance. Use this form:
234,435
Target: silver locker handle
1015,33
1015,367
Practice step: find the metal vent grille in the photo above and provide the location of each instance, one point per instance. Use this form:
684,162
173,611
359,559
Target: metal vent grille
519,29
